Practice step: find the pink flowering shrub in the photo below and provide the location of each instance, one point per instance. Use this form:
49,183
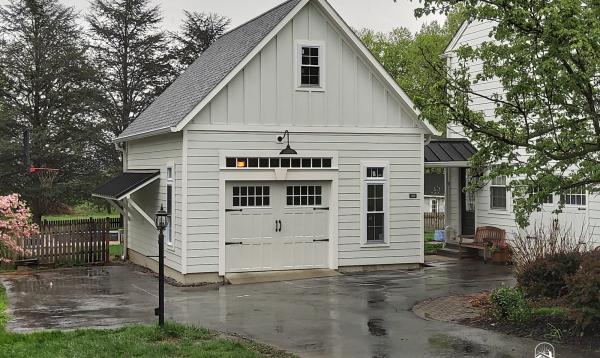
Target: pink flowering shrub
15,222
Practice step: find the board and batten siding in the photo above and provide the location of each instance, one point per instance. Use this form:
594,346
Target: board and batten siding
264,92
403,151
155,153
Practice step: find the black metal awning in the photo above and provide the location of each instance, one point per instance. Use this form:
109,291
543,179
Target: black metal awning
126,183
445,150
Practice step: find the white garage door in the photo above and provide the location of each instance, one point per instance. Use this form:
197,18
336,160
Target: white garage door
276,226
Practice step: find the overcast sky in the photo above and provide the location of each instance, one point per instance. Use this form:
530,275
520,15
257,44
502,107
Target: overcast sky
381,15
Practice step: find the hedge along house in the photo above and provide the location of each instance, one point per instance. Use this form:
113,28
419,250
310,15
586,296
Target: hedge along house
347,194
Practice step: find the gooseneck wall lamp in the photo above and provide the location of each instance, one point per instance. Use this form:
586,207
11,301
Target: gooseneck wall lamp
287,150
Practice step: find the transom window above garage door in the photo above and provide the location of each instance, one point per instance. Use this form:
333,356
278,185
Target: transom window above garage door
255,162
251,195
304,195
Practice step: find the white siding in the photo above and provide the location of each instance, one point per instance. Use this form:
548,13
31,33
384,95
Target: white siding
264,92
404,152
155,153
453,198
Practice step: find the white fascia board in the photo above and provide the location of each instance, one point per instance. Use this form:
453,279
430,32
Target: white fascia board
146,134
455,39
239,67
333,15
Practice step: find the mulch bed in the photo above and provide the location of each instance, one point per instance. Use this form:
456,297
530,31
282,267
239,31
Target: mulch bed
552,329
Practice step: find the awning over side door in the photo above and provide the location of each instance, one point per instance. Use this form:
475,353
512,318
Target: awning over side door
448,153
126,183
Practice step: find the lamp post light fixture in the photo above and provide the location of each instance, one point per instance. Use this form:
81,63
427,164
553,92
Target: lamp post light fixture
287,149
162,222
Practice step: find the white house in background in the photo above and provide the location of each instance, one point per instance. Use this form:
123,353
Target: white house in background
351,195
493,205
434,193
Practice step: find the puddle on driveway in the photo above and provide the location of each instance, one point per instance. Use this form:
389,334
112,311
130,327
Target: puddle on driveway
449,346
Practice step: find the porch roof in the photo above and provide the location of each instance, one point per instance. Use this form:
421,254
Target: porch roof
448,152
125,184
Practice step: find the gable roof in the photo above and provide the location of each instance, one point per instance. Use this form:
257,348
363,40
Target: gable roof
216,66
456,37
202,76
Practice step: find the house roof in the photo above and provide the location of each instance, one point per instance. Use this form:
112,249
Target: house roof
216,66
449,150
202,76
126,183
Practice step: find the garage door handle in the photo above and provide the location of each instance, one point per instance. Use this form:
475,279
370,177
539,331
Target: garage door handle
325,208
320,240
233,243
228,210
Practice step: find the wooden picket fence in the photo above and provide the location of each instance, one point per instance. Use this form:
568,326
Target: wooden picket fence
434,221
69,242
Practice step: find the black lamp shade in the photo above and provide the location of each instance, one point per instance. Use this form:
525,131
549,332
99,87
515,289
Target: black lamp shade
162,219
288,150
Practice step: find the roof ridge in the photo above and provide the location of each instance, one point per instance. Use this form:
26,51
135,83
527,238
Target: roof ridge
255,18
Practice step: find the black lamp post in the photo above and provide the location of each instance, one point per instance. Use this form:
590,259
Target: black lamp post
287,149
162,221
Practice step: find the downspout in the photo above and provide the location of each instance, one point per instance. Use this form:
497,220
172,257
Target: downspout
122,147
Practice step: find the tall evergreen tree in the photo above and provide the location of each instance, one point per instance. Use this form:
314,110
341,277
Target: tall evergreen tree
131,52
46,88
198,31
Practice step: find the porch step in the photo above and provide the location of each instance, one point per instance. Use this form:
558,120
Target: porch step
271,276
449,251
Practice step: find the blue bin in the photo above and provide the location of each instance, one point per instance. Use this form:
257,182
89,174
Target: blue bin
439,235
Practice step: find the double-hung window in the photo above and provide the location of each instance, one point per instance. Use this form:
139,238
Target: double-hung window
170,201
375,203
575,197
498,193
310,66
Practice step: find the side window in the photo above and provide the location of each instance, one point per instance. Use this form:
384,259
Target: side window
498,193
575,197
375,203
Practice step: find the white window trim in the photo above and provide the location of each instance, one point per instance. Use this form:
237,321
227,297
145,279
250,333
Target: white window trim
298,62
363,202
505,186
170,238
584,194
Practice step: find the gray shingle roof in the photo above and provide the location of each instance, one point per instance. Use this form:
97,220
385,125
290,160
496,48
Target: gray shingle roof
189,89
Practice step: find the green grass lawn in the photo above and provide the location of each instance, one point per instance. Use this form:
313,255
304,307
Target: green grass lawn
431,247
84,211
114,250
175,340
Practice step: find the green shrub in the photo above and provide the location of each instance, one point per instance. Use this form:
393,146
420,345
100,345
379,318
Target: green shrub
584,290
547,276
510,304
548,312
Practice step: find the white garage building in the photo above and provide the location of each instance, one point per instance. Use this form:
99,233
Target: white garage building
346,195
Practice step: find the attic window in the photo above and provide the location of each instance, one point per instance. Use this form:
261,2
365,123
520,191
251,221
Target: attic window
310,66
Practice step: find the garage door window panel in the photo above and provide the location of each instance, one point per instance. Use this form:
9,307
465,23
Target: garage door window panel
304,195
251,196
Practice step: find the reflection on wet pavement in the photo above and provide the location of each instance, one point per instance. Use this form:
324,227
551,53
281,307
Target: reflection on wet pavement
358,315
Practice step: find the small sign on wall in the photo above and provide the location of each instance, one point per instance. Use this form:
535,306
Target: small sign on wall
412,196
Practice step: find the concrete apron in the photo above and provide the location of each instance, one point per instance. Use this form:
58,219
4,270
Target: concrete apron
240,278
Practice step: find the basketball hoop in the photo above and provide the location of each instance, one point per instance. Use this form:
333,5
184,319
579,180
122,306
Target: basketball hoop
45,175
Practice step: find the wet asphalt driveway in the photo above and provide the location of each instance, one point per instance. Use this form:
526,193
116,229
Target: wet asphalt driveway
358,315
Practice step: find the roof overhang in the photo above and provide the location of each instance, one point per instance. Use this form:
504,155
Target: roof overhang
446,153
125,184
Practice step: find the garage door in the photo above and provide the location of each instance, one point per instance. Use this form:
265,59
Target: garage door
276,226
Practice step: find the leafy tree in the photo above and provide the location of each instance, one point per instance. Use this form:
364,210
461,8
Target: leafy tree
197,32
47,87
131,52
407,58
545,129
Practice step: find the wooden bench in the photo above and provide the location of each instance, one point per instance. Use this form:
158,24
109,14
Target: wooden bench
485,236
